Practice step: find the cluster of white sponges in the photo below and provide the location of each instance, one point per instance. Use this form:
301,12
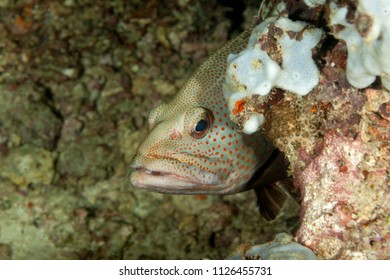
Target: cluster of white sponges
368,41
256,71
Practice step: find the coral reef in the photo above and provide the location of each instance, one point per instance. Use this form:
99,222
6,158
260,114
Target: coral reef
337,141
337,136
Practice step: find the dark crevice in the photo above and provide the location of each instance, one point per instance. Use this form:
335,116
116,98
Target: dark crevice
234,14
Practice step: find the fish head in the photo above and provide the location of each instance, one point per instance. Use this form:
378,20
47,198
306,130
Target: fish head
196,149
193,147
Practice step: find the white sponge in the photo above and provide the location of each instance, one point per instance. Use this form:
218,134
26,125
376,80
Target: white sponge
253,71
367,40
300,74
288,65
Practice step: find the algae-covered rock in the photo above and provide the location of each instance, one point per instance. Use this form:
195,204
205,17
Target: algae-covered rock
26,113
28,165
86,161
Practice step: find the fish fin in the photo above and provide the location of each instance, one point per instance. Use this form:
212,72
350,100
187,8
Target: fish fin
270,200
271,184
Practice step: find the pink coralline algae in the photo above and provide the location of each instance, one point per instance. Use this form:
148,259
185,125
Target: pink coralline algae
341,171
344,182
344,210
339,158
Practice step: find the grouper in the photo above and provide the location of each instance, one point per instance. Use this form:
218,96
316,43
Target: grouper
194,148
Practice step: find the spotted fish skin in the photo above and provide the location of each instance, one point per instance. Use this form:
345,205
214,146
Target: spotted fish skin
192,146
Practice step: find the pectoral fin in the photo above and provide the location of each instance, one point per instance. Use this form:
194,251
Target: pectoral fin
272,185
270,200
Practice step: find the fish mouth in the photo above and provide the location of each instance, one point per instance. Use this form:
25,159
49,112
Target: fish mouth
147,176
150,172
156,174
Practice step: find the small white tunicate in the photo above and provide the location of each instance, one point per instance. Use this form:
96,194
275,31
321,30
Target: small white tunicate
253,123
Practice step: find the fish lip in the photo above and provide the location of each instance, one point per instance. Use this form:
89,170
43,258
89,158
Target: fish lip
138,168
150,172
142,168
157,173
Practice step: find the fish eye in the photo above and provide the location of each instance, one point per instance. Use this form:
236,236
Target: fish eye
200,129
201,126
198,122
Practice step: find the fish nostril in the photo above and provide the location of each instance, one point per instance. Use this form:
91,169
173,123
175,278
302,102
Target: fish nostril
132,164
135,162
